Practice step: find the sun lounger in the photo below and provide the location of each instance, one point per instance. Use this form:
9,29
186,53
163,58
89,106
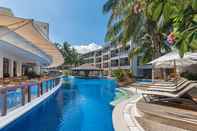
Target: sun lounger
161,83
161,96
169,88
175,83
167,85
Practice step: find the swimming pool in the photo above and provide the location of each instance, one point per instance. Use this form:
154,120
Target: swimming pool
82,105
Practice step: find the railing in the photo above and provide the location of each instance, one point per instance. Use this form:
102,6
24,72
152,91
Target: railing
13,97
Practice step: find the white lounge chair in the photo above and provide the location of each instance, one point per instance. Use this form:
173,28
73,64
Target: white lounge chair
167,84
161,83
164,96
170,88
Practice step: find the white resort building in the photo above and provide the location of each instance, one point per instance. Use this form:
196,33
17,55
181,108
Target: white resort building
111,57
25,46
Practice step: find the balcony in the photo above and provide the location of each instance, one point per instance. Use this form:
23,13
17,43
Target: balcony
124,62
124,51
105,65
98,60
98,65
98,53
105,50
114,63
114,53
105,57
91,61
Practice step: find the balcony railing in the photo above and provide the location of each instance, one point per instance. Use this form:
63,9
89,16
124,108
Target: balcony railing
105,65
13,97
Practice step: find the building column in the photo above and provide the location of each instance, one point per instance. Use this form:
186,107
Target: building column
11,67
1,66
19,69
37,69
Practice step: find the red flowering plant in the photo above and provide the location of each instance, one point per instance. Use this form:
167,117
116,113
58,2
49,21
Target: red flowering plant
137,7
171,38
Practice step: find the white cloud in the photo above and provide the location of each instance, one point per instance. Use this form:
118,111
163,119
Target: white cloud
86,48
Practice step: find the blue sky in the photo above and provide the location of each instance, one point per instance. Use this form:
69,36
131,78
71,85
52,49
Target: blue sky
76,21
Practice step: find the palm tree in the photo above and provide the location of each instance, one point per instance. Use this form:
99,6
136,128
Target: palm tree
185,27
129,22
146,23
71,56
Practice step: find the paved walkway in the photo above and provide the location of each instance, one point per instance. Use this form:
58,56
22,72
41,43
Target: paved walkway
130,112
125,112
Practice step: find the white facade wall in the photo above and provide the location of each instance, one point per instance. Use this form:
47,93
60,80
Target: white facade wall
1,66
19,68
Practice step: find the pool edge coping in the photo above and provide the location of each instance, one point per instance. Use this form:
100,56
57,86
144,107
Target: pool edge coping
118,115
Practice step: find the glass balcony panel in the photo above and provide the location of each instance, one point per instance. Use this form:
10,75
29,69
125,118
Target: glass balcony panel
14,99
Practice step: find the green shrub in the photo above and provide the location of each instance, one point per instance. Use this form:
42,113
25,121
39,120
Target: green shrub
189,76
67,72
118,74
128,73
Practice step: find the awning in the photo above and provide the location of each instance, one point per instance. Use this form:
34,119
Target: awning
27,29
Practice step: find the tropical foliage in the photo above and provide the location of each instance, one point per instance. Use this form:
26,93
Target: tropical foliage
153,26
71,56
121,75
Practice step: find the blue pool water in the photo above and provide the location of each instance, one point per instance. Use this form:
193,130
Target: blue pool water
83,105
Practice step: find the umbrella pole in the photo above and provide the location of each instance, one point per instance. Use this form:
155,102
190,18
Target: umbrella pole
175,69
153,73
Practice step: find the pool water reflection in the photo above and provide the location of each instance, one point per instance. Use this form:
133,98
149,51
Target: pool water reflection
82,105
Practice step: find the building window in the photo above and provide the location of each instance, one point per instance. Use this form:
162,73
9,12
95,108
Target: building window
6,65
124,62
98,60
114,53
114,63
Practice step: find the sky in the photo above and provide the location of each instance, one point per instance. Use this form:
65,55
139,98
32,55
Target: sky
80,22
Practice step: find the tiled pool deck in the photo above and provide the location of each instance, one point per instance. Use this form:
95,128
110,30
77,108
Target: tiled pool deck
124,115
136,115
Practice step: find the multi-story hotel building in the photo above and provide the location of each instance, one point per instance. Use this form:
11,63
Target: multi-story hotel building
111,57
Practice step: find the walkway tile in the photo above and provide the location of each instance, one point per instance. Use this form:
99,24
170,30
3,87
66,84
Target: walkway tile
128,120
127,108
134,129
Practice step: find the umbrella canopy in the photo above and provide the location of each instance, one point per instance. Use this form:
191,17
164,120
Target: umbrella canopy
172,59
27,29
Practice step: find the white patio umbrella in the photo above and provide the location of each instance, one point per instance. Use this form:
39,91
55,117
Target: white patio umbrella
173,60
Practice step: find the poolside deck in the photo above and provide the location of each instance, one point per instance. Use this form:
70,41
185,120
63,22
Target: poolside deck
166,118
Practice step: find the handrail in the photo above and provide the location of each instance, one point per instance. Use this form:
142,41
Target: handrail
27,91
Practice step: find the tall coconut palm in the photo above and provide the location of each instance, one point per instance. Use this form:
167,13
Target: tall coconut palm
129,21
71,56
146,22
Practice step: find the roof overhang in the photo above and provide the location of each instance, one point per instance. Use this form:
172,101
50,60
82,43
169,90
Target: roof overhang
20,54
27,29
